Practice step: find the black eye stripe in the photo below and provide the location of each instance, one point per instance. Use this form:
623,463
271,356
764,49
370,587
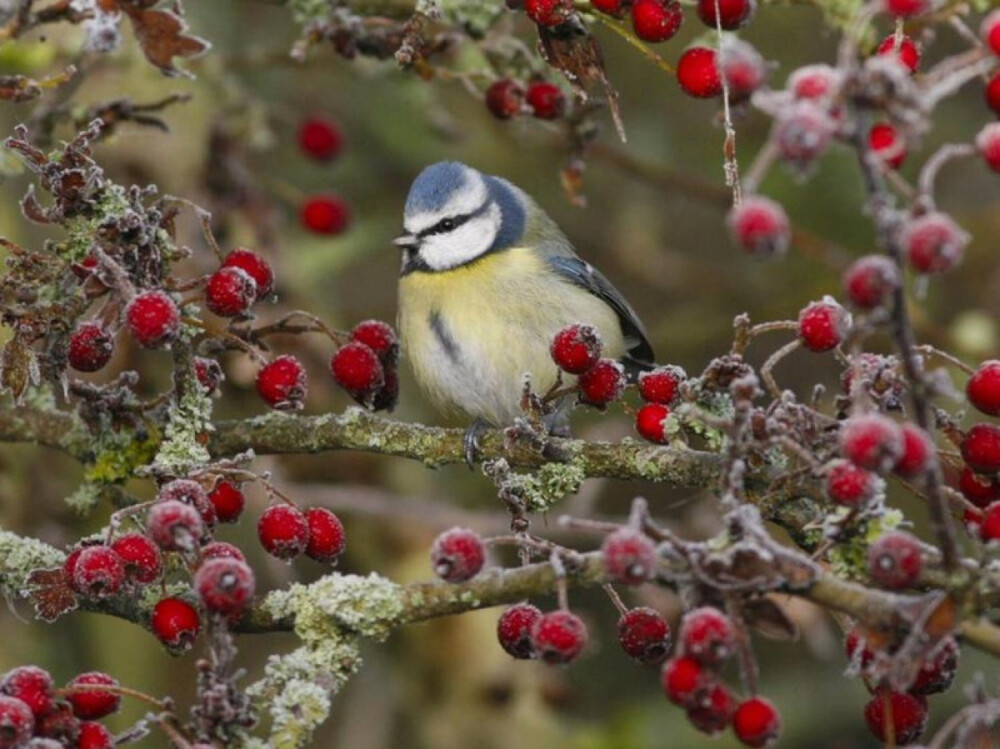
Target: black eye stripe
453,222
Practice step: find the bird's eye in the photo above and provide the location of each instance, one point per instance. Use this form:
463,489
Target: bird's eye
447,224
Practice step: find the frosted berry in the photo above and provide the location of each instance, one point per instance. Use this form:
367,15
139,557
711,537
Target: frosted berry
989,30
756,722
326,535
698,73
649,423
629,557
937,674
504,98
230,292
282,383
887,144
174,526
218,549
803,133
93,704
983,388
283,531
909,715
759,226
190,493
918,451
30,684
661,384
228,501
849,485
683,680
907,52
823,325
742,68
176,623
59,724
732,14
644,635
357,369
933,243
99,572
576,348
458,555
707,634
906,9
895,560
547,101
993,93
989,524
988,143
380,338
613,8
225,586
16,723
140,556
714,712
981,448
872,441
325,214
253,265
656,20
209,374
94,735
811,82
979,490
856,648
514,629
870,280
320,138
602,383
548,13
153,319
90,347
559,636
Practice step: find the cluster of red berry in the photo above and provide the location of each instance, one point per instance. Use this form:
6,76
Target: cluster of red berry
329,214
979,481
507,98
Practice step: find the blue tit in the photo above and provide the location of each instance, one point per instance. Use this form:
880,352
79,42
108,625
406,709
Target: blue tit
487,281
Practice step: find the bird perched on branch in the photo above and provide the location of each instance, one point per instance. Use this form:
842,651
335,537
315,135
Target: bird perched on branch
487,281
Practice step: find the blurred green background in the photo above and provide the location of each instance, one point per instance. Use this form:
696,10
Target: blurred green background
447,684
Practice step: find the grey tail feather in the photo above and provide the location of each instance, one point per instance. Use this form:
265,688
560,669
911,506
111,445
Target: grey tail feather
634,367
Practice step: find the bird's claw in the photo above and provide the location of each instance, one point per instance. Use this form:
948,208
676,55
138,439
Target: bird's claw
470,442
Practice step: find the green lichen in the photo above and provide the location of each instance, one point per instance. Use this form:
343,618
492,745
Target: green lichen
849,558
85,497
475,16
550,483
111,202
188,420
310,11
19,556
119,454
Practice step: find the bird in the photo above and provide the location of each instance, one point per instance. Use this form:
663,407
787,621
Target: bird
487,279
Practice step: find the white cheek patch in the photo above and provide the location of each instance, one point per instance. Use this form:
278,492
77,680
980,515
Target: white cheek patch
467,199
467,242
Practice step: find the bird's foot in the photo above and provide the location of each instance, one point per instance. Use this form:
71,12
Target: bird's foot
470,442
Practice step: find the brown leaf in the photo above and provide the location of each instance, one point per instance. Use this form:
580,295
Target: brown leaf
161,34
17,364
32,209
51,594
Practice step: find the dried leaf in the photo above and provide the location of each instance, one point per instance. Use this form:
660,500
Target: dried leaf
17,367
32,209
51,594
162,36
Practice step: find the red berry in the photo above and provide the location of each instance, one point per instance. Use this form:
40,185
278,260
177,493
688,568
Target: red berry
320,138
886,143
380,338
174,526
983,388
230,292
209,374
814,82
153,319
576,348
356,368
742,68
253,265
228,501
93,704
69,565
661,384
86,267
757,722
993,93
908,715
872,441
644,635
458,555
856,648
504,98
59,724
30,684
849,485
988,143
698,73
98,573
325,214
90,347
989,30
602,383
16,723
933,243
707,634
629,557
547,101
649,423
870,280
714,712
656,20
176,623
823,325
979,490
190,493
918,451
559,636
221,549
895,560
283,531
514,629
981,448
732,14
225,586
548,13
907,51
759,226
989,524
326,535
140,556
684,680
803,133
94,735
906,9
614,8
282,383
937,674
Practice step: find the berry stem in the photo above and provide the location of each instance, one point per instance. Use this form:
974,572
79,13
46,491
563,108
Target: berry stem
771,363
119,690
622,30
926,348
615,599
749,671
215,332
929,172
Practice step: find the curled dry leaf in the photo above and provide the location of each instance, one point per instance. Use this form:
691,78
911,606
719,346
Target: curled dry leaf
162,34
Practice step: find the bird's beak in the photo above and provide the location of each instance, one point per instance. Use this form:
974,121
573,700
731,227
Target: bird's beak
406,242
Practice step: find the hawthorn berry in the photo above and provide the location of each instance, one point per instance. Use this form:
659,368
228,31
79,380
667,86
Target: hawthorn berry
906,9
320,138
90,347
505,98
629,556
190,493
849,485
326,535
613,8
282,383
981,448
209,374
228,501
153,319
993,93
457,555
99,572
918,451
380,338
176,623
756,722
230,292
742,68
217,549
732,14
254,266
989,30
283,531
16,723
818,81
983,388
357,369
661,384
548,13
979,490
649,422
602,383
895,560
988,143
59,724
708,635
576,348
714,712
870,280
174,525
823,325
547,101
559,636
514,628
803,133
94,735
908,711
30,684
989,524
93,704
907,51
937,673
683,679
759,226
325,214
872,441
644,635
856,648
140,557
887,144
933,243
698,73
225,586
656,20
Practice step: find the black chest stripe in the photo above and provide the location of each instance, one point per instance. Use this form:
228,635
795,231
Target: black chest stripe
443,335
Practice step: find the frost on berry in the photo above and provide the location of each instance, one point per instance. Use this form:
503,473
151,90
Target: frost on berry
684,679
94,735
30,684
140,556
650,423
576,348
629,557
457,555
981,448
895,560
283,531
357,369
698,73
823,325
707,635
99,572
282,383
988,144
661,384
756,722
872,441
979,490
504,98
905,50
887,144
209,374
814,82
217,549
759,226
602,383
803,133
190,493
983,388
933,243
714,711
549,13
644,635
174,526
559,637
90,347
870,281
742,68
918,451
228,501
908,715
547,101
514,628
230,292
380,338
727,14
176,623
656,20
93,704
937,672
849,485
225,586
326,535
16,723
253,265
153,319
